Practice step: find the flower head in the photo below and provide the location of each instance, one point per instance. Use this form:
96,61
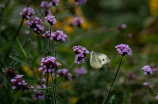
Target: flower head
122,27
81,53
79,2
62,72
157,96
19,83
145,83
51,19
58,36
10,72
55,2
49,65
46,34
147,69
46,4
38,95
77,21
80,71
124,49
27,13
34,23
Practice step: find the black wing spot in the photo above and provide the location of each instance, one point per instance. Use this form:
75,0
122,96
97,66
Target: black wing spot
103,60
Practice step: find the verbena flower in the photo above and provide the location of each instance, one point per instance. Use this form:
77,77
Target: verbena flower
145,83
122,27
77,21
51,19
19,83
55,2
81,53
58,36
62,72
80,71
157,96
46,34
79,2
27,12
147,69
46,4
49,65
38,95
124,49
10,72
35,24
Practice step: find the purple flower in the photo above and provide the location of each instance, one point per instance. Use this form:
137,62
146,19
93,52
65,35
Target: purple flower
46,5
34,23
147,69
122,27
46,34
27,32
81,53
80,71
19,84
58,36
62,72
145,83
51,19
10,72
38,95
49,65
43,80
124,49
79,2
77,21
157,96
55,2
27,13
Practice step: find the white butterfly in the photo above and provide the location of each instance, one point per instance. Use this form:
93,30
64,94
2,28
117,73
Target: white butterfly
97,60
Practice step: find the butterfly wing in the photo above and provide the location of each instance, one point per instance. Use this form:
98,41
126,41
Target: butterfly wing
103,58
95,61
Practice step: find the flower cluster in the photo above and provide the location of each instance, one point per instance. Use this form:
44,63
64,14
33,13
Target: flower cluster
51,19
124,49
19,84
58,36
39,95
27,13
49,65
62,72
34,23
81,53
157,96
147,69
80,71
46,5
77,21
55,2
10,72
79,2
46,34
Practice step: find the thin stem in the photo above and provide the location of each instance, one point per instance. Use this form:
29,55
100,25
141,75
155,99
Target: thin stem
55,50
54,95
108,94
19,94
46,86
49,37
148,91
64,75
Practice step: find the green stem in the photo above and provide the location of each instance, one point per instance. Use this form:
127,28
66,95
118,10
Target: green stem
108,94
64,75
49,39
148,91
54,95
19,94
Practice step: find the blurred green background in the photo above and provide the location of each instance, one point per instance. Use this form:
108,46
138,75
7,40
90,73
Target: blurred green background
100,31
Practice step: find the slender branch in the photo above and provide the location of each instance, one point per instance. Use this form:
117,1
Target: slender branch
64,75
148,91
54,95
49,37
108,94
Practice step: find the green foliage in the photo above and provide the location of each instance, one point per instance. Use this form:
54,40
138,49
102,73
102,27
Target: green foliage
128,94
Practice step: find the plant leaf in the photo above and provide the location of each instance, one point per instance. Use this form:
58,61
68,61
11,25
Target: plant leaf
128,94
33,62
20,59
28,46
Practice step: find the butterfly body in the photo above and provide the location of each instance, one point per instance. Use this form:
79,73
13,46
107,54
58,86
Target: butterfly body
97,60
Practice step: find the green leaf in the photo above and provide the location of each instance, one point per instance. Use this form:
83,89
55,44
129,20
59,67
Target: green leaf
128,94
5,82
59,98
21,49
41,75
20,59
28,46
111,99
33,62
